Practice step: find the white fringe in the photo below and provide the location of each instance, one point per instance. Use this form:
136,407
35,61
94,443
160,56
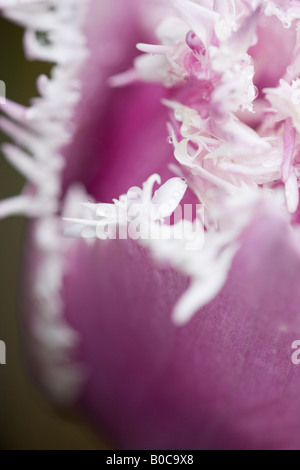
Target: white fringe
40,132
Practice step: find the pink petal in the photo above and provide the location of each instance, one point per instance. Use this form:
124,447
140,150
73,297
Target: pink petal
121,135
223,381
275,46
289,147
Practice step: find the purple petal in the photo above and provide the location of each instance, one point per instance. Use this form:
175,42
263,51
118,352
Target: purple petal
121,135
223,381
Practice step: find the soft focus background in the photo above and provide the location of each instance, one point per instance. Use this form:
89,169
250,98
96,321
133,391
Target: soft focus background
26,420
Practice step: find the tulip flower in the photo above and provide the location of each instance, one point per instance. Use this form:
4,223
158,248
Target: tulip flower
168,328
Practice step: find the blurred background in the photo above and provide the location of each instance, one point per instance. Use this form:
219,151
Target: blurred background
27,421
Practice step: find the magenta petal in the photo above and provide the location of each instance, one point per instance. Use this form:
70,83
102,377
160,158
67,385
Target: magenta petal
274,46
121,134
223,381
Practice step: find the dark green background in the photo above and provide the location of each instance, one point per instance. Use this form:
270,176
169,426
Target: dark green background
26,420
